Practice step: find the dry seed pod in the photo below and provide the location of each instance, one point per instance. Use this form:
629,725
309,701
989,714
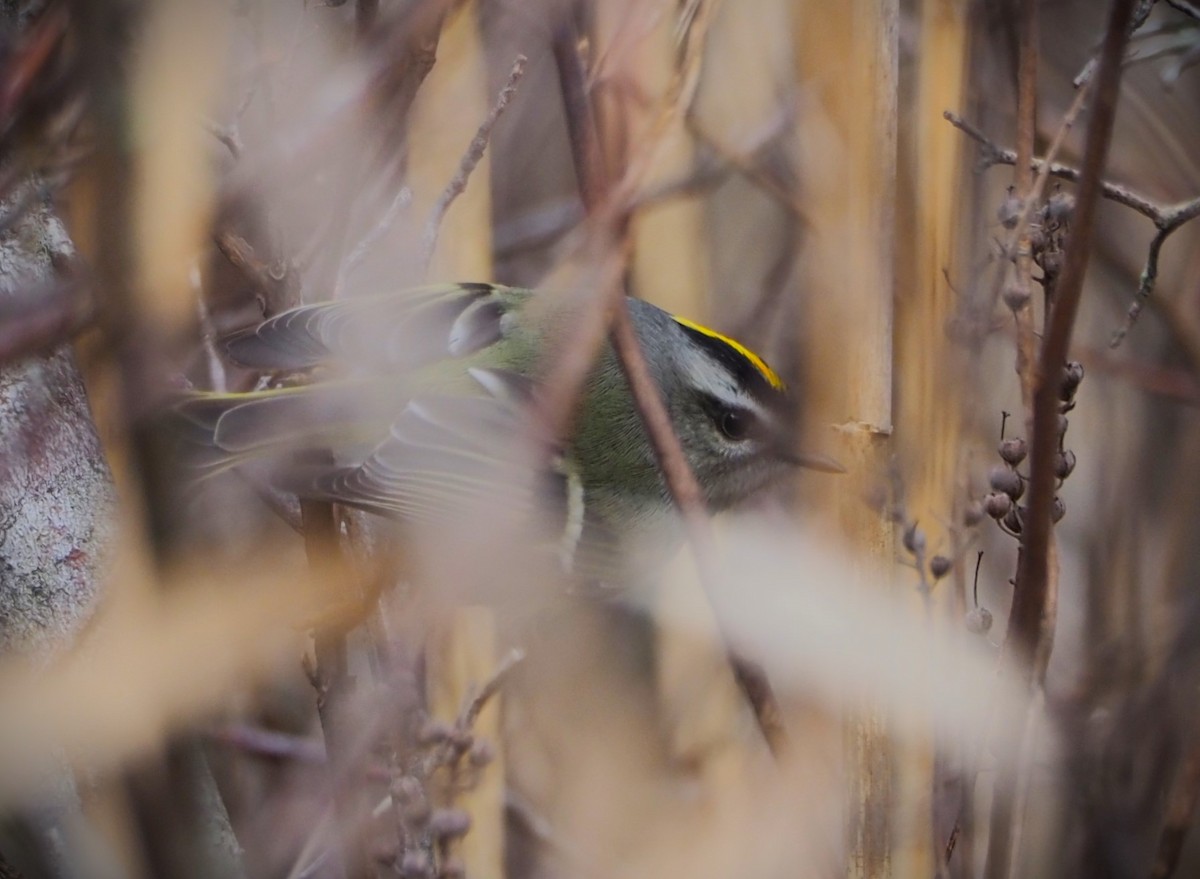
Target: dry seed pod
1064,464
449,823
1059,207
1016,296
973,514
1010,210
415,865
1072,378
997,505
1012,519
979,620
1014,450
914,539
1051,261
1007,480
939,566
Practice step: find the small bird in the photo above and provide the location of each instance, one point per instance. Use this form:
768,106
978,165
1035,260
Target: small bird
413,402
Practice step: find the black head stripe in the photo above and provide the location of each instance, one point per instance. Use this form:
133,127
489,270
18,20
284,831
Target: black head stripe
745,372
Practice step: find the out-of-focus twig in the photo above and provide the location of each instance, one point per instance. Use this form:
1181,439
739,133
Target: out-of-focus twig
335,689
610,205
1023,180
43,319
1027,638
1188,8
471,158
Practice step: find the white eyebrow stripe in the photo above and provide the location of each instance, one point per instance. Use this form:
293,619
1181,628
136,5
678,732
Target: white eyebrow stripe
715,380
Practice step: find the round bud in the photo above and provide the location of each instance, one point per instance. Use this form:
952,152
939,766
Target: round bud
1013,518
1059,207
449,823
434,732
973,514
939,566
914,539
1016,296
415,865
1007,480
453,868
1010,210
1014,450
1062,425
482,753
1058,509
1064,464
997,504
1072,377
1051,261
979,620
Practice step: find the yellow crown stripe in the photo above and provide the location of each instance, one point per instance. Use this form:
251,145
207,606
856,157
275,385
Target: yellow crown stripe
769,374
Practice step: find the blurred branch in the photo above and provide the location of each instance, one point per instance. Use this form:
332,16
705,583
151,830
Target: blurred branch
1024,182
43,318
1027,640
1191,10
470,159
612,204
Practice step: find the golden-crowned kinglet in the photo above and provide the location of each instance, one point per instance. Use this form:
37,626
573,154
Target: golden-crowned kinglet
411,398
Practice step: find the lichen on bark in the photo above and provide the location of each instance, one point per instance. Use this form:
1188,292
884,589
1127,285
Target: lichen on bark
56,492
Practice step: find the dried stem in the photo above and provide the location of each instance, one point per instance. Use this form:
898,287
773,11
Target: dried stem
335,687
611,205
685,491
1023,179
471,158
1028,629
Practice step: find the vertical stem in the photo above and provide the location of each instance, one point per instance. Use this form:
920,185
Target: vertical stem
335,690
1030,623
1023,181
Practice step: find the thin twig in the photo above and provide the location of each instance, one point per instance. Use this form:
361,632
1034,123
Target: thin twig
1026,132
1191,10
1167,219
1027,630
401,202
1167,224
685,491
490,687
334,685
471,158
610,207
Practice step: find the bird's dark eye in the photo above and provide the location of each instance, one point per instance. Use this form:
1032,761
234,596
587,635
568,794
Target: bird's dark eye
735,424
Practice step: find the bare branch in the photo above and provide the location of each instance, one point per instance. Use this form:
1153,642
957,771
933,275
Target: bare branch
1028,636
471,158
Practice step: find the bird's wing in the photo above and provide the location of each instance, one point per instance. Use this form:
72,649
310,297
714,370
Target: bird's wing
445,453
399,331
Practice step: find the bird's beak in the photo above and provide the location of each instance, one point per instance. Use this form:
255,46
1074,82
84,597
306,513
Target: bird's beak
811,461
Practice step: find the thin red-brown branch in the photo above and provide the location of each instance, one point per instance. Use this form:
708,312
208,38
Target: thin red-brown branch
1025,626
1023,179
1027,633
